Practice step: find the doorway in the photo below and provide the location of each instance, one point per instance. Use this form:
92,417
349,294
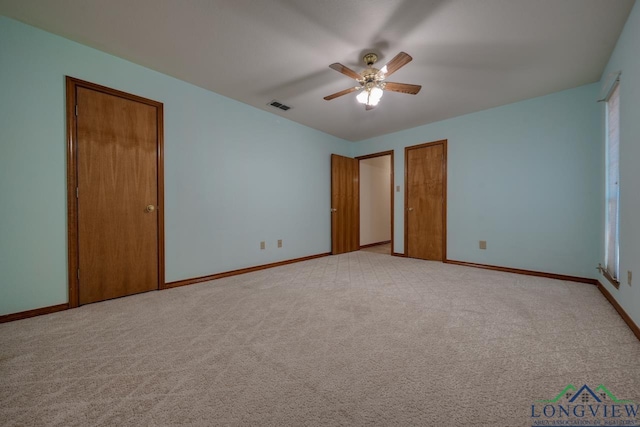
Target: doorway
114,193
425,219
376,202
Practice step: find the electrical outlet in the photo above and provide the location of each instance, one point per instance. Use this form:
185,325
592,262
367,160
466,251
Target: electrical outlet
629,278
483,244
279,243
397,188
262,245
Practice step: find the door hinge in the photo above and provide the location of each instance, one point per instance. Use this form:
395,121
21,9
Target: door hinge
76,109
77,193
78,274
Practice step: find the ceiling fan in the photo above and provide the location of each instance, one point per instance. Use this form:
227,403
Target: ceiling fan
373,81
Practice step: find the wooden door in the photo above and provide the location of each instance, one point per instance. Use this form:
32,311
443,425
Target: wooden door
118,195
425,201
345,204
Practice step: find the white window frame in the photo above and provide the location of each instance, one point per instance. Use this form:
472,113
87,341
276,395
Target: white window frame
612,185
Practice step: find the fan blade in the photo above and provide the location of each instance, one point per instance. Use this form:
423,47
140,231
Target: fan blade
369,107
346,71
399,61
402,88
342,92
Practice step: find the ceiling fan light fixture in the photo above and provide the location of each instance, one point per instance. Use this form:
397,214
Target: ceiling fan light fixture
376,94
363,97
370,96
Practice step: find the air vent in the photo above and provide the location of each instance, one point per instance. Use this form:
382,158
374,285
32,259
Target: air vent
279,105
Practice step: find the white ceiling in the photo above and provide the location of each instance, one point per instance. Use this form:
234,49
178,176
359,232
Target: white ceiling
468,55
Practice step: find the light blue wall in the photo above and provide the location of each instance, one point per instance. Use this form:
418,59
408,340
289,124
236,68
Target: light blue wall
525,177
626,58
234,175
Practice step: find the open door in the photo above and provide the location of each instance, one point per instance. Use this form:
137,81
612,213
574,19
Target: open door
345,205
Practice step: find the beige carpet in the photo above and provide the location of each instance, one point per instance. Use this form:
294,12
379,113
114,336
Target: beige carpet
355,339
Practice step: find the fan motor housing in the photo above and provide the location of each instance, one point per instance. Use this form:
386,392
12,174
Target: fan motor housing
370,59
370,75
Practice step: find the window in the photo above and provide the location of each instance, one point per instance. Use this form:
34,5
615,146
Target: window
612,234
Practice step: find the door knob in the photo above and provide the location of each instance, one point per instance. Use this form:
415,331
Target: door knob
409,209
150,208
334,210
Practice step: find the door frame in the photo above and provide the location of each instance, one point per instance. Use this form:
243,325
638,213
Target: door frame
442,142
72,179
392,202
